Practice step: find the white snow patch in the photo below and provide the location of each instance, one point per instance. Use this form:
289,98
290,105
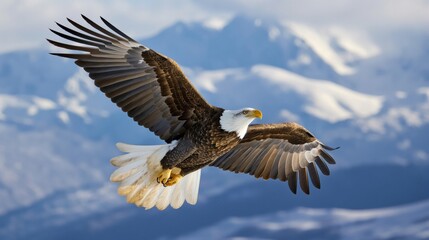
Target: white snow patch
354,42
9,101
421,155
424,91
289,116
326,100
40,104
257,22
273,33
400,222
424,107
72,105
404,144
73,98
44,104
31,105
395,118
215,23
401,94
357,45
207,80
302,59
32,110
320,44
64,117
297,225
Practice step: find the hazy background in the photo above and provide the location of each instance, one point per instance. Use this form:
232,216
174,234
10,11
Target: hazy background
355,73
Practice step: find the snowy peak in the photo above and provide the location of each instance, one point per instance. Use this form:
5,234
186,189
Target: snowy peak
337,47
80,97
404,222
321,99
10,105
241,42
324,99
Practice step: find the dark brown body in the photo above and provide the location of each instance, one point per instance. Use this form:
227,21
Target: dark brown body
201,144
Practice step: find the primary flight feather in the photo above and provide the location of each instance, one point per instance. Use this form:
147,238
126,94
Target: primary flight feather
152,89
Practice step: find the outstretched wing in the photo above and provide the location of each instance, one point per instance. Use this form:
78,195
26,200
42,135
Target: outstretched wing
150,87
284,151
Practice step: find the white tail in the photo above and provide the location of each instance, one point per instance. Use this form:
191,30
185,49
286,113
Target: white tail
137,172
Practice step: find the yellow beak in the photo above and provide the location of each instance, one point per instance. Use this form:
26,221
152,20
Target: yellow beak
255,114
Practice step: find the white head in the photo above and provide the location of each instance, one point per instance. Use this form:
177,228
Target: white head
238,120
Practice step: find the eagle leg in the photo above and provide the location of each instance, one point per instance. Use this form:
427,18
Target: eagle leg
176,171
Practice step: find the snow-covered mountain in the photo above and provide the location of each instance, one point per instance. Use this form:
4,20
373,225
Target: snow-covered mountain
64,215
57,131
405,222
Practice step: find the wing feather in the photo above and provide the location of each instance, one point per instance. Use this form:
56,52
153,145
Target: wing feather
292,182
282,163
303,180
284,151
322,166
150,87
314,176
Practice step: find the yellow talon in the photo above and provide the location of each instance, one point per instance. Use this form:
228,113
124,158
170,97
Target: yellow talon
164,176
169,177
173,180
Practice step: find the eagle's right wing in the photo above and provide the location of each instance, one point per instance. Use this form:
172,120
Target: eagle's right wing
150,87
284,151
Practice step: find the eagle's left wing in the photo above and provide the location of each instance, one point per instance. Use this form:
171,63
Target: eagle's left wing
284,151
149,87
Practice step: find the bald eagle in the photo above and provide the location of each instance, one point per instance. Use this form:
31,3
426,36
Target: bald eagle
152,89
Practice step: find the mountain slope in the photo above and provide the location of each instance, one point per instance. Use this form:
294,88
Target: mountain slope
360,188
405,222
243,42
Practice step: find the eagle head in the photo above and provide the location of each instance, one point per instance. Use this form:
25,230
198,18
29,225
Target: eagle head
238,120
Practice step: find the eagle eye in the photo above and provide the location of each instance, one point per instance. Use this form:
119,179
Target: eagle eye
244,112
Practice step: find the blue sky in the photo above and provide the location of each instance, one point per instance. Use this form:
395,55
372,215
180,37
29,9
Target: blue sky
25,22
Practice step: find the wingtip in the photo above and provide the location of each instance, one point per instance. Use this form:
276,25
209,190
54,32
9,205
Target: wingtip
54,31
85,17
121,146
306,190
60,25
329,148
104,20
56,54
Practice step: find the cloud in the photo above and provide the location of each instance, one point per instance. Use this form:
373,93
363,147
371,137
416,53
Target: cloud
381,22
367,13
370,15
26,22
